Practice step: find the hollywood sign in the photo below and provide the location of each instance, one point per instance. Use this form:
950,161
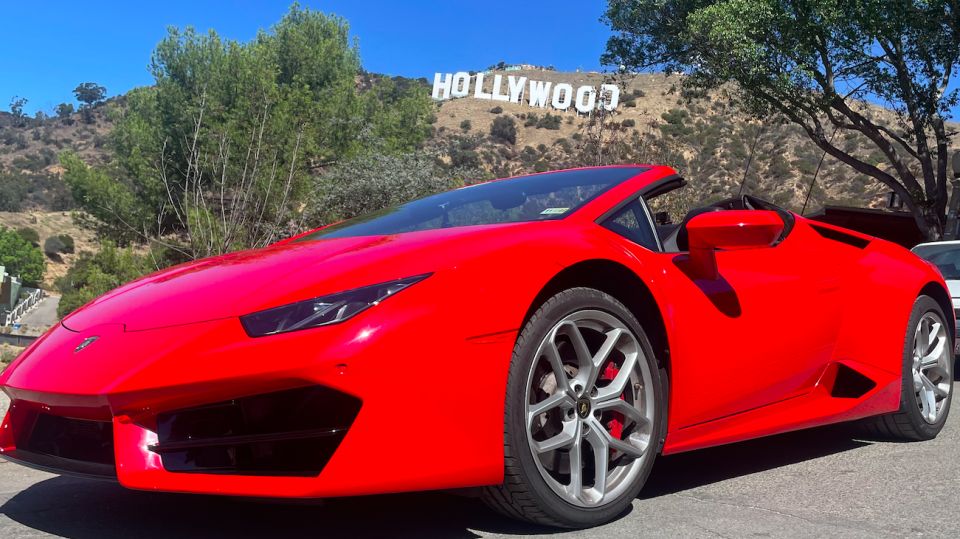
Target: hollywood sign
560,96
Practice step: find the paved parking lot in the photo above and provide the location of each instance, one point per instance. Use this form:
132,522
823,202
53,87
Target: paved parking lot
813,483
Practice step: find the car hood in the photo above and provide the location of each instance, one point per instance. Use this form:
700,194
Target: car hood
249,281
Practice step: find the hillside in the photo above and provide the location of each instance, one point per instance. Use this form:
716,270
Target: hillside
702,135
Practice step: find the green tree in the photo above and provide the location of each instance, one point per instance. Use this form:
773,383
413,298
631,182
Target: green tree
16,108
64,110
110,204
90,94
95,275
217,155
20,257
819,63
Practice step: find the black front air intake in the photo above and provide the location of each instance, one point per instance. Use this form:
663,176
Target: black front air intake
64,445
287,433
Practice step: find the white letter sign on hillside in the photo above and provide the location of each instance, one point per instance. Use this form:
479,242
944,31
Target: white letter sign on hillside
540,94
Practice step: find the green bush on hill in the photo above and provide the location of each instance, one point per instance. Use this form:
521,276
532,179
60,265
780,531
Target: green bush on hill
20,257
94,275
504,129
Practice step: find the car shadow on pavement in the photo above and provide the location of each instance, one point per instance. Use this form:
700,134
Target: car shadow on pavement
79,508
676,473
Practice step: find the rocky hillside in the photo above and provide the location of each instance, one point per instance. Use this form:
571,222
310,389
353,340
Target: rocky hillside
715,146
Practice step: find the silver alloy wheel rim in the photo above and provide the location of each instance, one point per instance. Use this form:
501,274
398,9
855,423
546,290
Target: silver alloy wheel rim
589,373
932,367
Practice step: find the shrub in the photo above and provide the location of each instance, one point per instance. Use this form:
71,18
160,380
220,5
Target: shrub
504,129
20,257
465,126
370,182
531,120
550,121
68,244
97,274
629,122
57,245
8,353
12,192
496,110
53,246
30,235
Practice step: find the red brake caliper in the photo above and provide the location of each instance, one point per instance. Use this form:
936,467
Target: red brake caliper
615,425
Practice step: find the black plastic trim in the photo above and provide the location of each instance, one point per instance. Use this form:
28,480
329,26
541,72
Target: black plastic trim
659,187
61,466
244,440
292,432
842,237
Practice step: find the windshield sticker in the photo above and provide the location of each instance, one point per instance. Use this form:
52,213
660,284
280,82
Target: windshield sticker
554,211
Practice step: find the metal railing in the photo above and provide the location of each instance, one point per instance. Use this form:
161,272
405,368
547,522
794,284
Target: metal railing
22,307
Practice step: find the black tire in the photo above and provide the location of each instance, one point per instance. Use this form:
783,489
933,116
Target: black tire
907,423
524,494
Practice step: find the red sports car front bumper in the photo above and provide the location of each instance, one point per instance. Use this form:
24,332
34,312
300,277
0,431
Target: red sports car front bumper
427,415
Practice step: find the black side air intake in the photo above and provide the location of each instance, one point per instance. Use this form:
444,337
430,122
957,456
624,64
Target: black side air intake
842,237
287,433
850,384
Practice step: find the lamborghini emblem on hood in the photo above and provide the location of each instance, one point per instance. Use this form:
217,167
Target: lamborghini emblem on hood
86,342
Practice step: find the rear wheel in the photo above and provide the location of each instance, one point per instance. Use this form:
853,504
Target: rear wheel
927,386
582,409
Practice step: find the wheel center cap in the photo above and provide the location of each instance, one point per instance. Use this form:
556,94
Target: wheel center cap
583,408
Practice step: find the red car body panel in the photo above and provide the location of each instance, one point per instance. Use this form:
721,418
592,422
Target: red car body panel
754,353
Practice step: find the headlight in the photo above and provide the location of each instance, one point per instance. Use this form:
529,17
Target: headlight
324,310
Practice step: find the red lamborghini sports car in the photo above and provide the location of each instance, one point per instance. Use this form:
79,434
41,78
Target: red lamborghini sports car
544,337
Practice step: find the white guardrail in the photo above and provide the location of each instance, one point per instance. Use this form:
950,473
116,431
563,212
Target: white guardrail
23,307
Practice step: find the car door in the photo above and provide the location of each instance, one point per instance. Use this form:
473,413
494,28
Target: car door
762,332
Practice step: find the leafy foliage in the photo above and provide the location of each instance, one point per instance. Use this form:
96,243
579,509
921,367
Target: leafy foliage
817,63
374,181
217,155
64,110
30,235
16,109
94,275
90,93
54,246
19,191
20,257
504,129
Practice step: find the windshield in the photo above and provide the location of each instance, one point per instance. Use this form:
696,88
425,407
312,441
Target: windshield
945,257
527,198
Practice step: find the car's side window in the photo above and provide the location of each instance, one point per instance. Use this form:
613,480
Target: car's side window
633,222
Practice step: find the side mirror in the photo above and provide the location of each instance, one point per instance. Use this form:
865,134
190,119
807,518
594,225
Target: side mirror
729,230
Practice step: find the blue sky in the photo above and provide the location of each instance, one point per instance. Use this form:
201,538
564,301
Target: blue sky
46,49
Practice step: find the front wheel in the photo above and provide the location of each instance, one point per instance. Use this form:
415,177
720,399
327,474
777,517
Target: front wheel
582,413
927,385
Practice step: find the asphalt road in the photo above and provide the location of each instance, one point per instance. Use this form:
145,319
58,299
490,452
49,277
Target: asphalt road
41,317
814,483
